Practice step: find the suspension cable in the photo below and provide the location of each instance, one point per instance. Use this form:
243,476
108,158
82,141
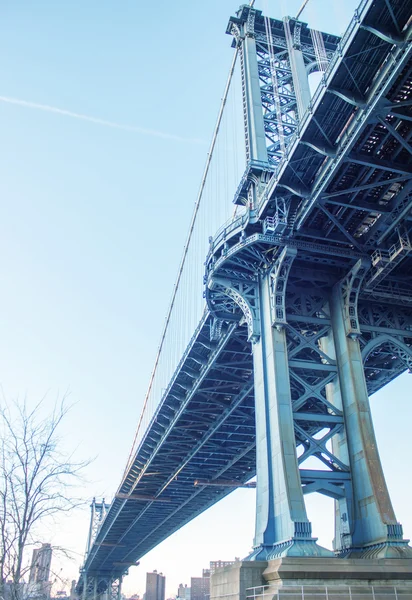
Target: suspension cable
185,252
300,11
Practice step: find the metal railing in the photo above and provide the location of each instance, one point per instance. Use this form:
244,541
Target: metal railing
356,591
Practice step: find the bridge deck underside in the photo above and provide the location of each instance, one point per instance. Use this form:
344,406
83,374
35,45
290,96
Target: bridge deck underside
204,428
357,196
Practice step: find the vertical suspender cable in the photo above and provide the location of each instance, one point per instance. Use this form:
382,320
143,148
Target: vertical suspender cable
185,251
273,74
320,51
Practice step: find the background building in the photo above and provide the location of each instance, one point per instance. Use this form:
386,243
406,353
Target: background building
73,595
216,564
184,592
155,586
40,564
200,586
39,584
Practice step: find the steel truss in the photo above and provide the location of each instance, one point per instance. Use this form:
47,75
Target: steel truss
332,232
313,392
281,49
100,587
97,515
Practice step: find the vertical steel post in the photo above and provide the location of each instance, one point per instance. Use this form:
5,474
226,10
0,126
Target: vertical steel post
282,526
92,521
254,115
252,101
344,505
374,521
84,593
297,65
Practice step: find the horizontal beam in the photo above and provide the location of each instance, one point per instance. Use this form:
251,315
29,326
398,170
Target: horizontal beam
366,186
308,475
325,488
141,498
356,205
401,114
374,163
319,418
224,483
307,364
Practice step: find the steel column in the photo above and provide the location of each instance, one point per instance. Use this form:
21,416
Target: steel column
344,505
282,526
253,104
298,67
374,523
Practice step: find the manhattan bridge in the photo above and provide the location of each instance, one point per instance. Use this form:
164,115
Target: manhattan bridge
292,304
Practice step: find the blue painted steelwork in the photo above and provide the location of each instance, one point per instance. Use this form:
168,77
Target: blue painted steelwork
309,383
309,306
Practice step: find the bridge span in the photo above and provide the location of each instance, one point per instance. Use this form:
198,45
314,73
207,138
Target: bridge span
308,307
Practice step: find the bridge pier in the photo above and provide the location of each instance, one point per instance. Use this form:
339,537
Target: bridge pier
311,402
375,530
299,300
282,526
294,578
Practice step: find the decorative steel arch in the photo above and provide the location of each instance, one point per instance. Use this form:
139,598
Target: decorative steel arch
398,347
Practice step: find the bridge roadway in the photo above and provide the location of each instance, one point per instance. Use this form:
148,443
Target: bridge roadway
347,182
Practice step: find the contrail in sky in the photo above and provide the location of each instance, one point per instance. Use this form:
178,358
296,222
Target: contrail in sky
74,115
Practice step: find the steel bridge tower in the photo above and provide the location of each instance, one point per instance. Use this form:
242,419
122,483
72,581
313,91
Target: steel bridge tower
301,286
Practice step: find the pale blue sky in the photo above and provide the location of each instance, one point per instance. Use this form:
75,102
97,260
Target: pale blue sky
93,221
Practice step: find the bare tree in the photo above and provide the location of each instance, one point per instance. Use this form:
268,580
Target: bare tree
35,482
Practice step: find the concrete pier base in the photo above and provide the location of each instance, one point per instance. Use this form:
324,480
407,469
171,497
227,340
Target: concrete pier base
235,581
314,579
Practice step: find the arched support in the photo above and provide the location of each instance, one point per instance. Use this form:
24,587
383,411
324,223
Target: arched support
396,345
279,274
295,188
245,296
324,149
350,287
384,34
282,526
348,96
